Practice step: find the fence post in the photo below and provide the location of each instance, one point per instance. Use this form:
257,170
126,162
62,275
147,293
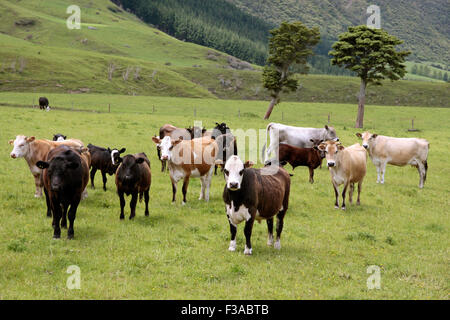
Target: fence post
329,118
109,107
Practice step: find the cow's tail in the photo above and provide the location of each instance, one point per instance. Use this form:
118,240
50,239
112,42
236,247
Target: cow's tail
263,157
263,154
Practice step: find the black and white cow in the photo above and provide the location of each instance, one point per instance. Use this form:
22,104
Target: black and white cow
43,103
255,194
59,137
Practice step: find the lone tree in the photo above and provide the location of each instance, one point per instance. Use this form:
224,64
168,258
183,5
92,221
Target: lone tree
290,44
370,53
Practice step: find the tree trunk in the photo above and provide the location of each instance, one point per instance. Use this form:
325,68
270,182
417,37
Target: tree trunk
362,101
272,104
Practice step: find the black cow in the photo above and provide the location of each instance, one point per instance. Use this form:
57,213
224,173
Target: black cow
102,159
255,194
43,103
224,145
65,176
59,137
133,177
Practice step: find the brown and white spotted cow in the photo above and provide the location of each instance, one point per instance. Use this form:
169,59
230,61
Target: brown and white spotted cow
398,152
192,158
255,194
33,150
347,166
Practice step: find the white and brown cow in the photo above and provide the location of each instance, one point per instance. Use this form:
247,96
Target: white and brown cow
189,158
347,166
398,152
33,150
255,194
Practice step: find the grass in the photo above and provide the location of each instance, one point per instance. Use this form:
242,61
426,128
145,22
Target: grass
180,252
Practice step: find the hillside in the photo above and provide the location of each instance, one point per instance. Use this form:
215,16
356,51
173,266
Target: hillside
116,53
423,25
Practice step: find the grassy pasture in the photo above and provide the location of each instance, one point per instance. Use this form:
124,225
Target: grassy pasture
181,252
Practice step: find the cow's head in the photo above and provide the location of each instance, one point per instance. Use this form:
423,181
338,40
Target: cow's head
330,134
166,146
234,172
129,171
222,127
316,143
331,149
21,146
59,137
115,155
367,139
61,170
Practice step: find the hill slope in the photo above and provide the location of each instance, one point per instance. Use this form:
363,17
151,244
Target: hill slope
423,25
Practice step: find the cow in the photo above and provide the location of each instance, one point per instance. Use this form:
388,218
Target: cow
133,176
65,176
34,150
189,158
43,103
59,137
308,157
105,160
347,166
385,150
295,136
255,194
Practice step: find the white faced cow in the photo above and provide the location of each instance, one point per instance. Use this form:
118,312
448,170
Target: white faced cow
295,136
35,150
396,151
189,158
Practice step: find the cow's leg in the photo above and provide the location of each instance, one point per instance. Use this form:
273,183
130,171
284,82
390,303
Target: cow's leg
49,206
359,192
350,192
185,187
215,170
248,234
146,199
57,213
383,170
378,166
343,195
203,188
311,175
122,204
93,171
233,230
270,231
104,180
64,216
72,215
336,194
37,182
421,169
134,198
208,183
280,223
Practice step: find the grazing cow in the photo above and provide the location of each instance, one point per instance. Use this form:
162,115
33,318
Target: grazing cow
34,150
295,136
134,177
251,194
105,160
308,157
65,176
43,103
193,158
347,166
59,137
398,152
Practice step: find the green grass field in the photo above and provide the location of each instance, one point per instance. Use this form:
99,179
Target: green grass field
180,252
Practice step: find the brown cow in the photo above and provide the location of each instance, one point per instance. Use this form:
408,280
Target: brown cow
192,158
255,194
35,150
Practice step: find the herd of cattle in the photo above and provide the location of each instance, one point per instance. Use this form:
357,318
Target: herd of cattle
61,169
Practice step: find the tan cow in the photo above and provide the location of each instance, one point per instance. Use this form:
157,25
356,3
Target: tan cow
396,151
347,166
189,158
36,150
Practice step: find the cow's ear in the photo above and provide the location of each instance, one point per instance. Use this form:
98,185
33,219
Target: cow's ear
340,147
42,164
248,164
374,135
322,147
326,127
30,139
72,165
156,140
11,141
139,160
122,150
359,135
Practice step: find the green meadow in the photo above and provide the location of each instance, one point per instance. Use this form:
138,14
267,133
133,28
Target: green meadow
181,252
